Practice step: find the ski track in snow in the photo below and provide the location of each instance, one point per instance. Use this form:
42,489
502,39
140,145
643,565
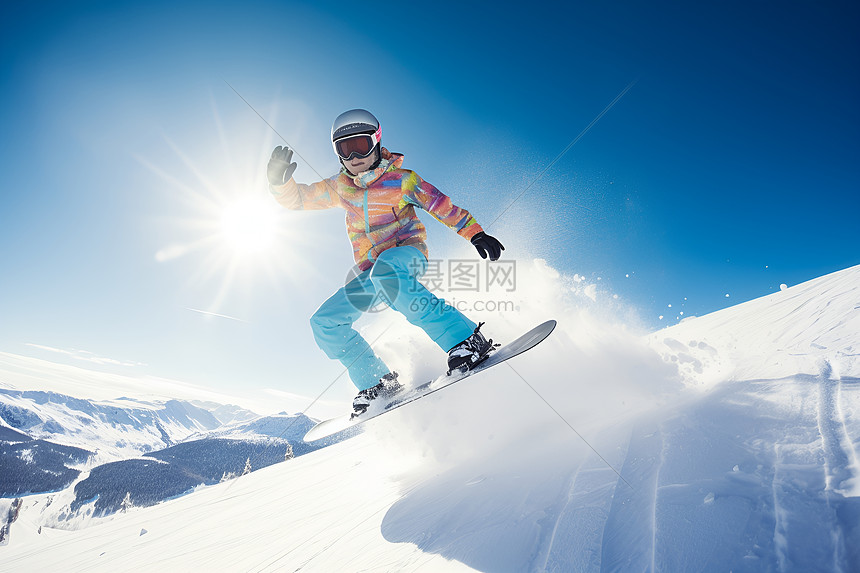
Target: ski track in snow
628,543
806,530
832,427
839,456
845,435
581,516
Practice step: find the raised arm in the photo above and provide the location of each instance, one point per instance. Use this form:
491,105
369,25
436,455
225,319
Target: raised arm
294,195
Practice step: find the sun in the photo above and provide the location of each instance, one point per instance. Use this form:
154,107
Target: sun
230,233
249,225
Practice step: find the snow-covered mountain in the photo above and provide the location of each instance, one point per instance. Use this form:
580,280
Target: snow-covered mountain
726,443
291,428
113,429
138,453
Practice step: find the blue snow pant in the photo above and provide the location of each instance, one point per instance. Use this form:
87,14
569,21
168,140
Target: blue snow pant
392,279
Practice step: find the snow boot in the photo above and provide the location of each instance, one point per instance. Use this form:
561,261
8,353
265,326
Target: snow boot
388,386
470,352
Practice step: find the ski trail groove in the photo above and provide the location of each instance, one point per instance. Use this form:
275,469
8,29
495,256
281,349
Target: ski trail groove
780,539
831,426
848,443
547,551
574,539
656,494
630,530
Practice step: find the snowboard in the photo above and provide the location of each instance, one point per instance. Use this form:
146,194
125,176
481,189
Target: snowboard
525,342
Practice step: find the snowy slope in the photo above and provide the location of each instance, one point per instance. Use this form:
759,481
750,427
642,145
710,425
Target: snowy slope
728,442
799,330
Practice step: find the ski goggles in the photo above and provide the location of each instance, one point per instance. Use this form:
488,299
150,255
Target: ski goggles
360,145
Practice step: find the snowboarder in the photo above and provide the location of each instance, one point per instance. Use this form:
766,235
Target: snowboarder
388,241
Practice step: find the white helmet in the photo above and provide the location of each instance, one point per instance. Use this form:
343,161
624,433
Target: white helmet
346,129
352,122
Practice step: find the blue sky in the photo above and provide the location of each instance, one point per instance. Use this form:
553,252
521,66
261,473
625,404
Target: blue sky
730,166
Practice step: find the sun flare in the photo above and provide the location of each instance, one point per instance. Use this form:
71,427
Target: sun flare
249,225
231,235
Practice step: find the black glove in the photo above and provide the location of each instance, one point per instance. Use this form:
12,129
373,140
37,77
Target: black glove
487,244
280,169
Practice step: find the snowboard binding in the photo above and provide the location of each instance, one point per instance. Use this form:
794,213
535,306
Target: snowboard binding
387,388
471,352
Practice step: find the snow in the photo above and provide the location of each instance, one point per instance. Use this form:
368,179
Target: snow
728,442
793,331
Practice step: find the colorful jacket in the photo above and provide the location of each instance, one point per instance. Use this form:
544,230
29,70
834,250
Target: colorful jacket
380,207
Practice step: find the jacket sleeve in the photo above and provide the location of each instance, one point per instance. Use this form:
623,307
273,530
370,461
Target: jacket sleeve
319,195
420,193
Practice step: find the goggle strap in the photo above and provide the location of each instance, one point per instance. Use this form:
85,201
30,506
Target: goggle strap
375,138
